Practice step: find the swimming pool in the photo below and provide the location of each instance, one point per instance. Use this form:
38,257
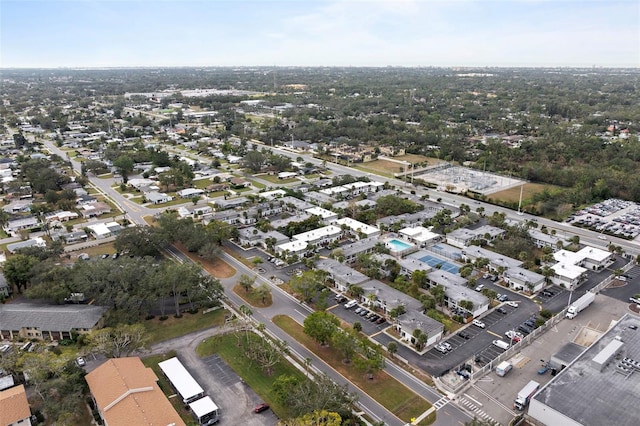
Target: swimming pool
398,246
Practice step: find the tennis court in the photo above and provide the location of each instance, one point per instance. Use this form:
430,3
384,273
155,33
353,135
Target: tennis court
444,265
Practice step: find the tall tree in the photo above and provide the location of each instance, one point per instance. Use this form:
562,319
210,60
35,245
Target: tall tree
119,341
320,326
17,270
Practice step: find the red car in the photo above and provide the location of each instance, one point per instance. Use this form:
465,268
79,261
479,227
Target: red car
261,407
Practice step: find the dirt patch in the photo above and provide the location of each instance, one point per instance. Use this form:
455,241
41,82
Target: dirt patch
634,308
216,267
616,284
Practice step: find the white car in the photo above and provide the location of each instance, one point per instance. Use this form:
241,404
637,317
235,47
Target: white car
350,304
480,287
478,323
80,361
602,237
511,303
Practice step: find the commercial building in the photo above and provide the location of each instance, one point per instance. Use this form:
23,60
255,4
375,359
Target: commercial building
600,387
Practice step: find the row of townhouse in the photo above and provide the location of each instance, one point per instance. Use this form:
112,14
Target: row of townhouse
378,295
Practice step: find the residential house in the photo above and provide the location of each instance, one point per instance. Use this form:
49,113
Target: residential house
291,248
456,291
48,322
18,206
320,236
156,197
86,199
33,242
541,240
497,262
343,276
14,407
238,182
70,237
413,320
228,217
357,228
14,226
327,216
284,222
294,204
60,216
230,203
419,235
196,211
95,209
127,393
190,192
523,279
351,251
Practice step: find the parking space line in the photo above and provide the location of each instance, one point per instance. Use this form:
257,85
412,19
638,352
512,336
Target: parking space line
494,334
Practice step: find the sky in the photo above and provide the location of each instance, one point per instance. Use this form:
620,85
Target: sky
150,33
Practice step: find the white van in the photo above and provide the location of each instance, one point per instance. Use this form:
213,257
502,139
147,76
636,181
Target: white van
503,368
350,304
501,344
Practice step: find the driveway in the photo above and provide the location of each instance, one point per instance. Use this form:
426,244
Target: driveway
235,399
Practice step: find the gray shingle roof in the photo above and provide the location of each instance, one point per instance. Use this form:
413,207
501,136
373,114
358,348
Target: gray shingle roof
49,317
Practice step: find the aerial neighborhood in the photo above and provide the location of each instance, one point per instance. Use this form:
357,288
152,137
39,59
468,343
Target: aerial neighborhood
203,252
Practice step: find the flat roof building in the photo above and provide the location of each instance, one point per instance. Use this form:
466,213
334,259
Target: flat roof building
602,385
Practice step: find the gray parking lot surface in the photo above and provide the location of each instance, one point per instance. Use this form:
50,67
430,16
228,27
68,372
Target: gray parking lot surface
492,396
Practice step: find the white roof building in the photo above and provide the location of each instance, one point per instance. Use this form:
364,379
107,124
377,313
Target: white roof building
325,215
319,235
419,235
357,226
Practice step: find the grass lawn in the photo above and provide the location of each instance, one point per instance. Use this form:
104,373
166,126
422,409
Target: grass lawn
107,248
513,194
274,179
252,298
152,362
392,394
257,184
202,183
216,267
227,348
173,327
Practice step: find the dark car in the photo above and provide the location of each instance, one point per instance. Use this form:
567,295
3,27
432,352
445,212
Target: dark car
464,335
502,311
261,407
524,330
530,323
380,320
374,318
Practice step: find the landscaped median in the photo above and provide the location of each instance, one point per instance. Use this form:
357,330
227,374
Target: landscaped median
390,393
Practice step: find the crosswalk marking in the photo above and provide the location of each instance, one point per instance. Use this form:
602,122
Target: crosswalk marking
441,402
475,409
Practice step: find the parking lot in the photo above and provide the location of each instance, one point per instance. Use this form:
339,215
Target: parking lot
369,325
492,396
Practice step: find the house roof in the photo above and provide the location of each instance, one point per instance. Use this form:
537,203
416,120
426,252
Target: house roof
14,405
14,316
127,393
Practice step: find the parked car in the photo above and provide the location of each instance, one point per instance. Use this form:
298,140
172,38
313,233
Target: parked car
380,320
524,330
478,323
480,287
363,312
441,349
261,407
464,335
502,310
447,346
530,323
503,298
512,303
350,304
374,318
80,361
340,298
359,309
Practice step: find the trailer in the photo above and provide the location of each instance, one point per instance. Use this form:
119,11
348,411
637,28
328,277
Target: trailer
525,395
181,380
580,304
